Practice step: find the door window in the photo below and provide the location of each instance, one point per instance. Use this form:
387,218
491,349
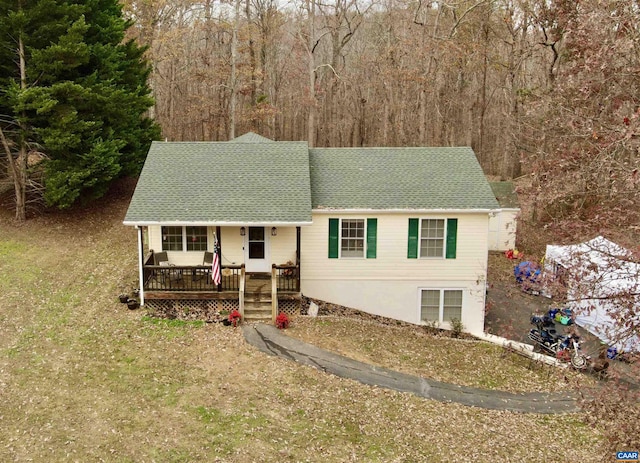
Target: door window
256,242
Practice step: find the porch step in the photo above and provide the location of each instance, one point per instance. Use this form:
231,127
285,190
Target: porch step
257,313
257,301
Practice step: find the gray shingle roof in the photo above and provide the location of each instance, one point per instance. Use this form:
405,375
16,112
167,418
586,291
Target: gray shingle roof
252,179
251,137
398,178
223,182
505,193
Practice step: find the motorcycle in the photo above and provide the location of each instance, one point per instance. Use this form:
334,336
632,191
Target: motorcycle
564,347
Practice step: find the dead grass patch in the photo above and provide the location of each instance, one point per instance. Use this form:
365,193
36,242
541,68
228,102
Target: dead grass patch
413,350
82,378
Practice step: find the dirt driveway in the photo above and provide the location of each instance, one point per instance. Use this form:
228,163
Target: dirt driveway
509,308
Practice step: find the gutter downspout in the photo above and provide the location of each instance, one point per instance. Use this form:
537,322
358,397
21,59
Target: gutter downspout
140,264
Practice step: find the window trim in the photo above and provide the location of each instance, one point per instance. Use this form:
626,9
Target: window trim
184,236
369,238
440,321
444,238
414,238
341,238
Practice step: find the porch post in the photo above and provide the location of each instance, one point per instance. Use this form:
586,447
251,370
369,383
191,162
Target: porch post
140,264
298,256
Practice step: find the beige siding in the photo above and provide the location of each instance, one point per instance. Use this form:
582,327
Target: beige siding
231,246
389,284
179,257
283,246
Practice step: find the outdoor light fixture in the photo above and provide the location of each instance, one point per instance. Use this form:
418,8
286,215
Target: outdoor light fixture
274,231
243,231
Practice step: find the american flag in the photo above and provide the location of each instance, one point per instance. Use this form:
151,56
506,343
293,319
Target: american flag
216,277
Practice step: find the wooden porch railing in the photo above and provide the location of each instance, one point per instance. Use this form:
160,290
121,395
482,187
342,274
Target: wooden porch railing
287,277
190,278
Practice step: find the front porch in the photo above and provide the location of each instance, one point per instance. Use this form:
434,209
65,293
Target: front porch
187,291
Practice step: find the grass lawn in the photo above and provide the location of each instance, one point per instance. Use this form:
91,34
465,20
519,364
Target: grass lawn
84,379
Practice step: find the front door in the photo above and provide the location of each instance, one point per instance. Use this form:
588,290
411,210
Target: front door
256,250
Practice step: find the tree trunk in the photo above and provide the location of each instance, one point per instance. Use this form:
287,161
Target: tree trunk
311,118
234,47
18,171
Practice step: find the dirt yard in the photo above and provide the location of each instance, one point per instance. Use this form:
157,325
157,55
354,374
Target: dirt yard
509,309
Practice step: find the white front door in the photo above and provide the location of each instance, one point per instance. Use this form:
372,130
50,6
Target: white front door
256,250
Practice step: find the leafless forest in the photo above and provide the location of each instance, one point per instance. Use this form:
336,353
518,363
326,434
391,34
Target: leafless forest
545,90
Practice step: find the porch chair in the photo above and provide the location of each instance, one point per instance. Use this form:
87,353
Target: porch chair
207,261
161,259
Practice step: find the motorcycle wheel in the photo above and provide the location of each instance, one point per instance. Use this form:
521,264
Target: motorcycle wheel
578,361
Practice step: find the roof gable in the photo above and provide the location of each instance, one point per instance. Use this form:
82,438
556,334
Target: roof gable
222,182
251,137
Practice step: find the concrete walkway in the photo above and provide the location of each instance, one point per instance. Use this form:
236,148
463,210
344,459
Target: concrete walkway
272,341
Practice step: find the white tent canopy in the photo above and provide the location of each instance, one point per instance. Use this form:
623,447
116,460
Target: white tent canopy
603,289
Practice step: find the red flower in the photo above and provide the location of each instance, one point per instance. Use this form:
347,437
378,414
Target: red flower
234,317
282,321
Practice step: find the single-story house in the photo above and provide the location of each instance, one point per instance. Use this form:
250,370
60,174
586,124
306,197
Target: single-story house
396,232
602,284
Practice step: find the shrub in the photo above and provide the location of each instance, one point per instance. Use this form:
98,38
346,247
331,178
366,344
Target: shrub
456,327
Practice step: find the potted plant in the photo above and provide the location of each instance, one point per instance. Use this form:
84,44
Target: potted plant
282,321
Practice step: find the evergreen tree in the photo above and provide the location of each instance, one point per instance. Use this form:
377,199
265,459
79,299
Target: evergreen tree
81,96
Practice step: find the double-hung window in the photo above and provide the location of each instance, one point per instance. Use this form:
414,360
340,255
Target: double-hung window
440,305
184,238
432,238
353,238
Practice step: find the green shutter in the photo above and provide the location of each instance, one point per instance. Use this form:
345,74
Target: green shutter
452,237
372,232
333,238
412,245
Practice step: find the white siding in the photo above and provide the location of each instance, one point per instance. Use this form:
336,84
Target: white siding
389,284
502,229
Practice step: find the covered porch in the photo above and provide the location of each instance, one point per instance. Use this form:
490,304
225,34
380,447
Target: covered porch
179,282
241,201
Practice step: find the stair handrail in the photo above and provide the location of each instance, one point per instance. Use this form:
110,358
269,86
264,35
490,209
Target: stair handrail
241,291
274,293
